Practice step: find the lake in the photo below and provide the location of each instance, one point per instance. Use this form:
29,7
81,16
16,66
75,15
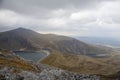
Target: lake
31,55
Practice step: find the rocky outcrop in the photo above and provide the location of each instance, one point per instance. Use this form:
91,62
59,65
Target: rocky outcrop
47,74
14,67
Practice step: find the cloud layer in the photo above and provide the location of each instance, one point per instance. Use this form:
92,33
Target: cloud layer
66,17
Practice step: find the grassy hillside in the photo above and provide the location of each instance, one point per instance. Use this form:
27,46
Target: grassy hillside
79,63
3,51
8,59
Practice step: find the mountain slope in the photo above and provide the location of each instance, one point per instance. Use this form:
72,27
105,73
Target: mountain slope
24,39
80,63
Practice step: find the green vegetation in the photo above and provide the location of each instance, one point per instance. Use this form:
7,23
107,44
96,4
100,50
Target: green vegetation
80,64
17,64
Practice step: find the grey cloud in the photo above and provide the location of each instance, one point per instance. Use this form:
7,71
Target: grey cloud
43,15
1,3
43,8
116,19
32,6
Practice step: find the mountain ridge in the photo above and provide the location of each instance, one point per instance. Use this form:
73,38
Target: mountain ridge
25,39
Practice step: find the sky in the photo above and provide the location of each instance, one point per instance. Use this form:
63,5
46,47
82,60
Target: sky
99,18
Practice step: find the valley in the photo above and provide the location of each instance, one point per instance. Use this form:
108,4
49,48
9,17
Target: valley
66,54
59,39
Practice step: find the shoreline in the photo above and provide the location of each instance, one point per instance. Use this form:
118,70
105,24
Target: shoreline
46,52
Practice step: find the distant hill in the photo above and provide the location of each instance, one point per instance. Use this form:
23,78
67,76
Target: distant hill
24,39
101,41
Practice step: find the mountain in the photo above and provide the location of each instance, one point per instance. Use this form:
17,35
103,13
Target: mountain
65,52
24,39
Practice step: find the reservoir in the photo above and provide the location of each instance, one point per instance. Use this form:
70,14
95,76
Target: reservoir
31,55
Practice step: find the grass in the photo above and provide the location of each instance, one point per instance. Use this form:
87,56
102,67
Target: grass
5,51
79,63
7,59
17,64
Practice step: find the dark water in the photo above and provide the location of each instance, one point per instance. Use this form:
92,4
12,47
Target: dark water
33,56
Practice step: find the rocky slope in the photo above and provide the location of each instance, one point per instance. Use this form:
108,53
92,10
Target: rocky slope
13,67
10,59
47,73
24,70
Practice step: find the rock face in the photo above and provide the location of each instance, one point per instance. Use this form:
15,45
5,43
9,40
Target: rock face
47,74
55,74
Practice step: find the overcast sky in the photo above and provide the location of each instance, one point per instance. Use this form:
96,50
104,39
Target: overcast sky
99,18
